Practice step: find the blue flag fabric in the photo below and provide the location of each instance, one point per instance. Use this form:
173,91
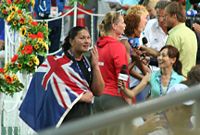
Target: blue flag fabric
52,93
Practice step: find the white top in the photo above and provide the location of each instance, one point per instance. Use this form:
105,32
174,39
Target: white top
155,35
114,1
180,88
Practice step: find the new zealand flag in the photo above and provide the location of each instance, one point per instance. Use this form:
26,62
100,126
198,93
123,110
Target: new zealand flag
54,89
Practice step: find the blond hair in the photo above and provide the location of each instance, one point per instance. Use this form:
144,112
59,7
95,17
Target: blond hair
109,19
137,10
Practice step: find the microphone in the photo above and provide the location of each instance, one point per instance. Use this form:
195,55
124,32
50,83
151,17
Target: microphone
134,42
123,75
144,41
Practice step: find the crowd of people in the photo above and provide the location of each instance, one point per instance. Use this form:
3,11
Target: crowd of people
163,64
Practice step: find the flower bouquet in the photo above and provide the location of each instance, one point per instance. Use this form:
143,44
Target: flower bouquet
34,42
9,83
15,13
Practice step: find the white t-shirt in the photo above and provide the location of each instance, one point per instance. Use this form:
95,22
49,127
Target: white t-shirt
180,88
155,35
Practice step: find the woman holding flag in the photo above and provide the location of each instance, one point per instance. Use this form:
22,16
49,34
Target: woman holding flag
64,85
76,43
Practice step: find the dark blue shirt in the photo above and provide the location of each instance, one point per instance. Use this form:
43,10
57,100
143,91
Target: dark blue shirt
2,32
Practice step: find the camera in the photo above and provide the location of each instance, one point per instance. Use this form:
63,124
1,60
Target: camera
192,16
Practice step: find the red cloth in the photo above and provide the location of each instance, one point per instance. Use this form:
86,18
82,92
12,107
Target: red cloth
112,55
53,3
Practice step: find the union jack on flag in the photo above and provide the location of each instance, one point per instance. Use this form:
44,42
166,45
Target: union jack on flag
55,87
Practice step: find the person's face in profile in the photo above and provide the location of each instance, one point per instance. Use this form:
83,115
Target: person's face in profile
161,17
119,26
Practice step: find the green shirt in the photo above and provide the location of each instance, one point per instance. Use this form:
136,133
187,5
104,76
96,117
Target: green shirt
155,82
184,39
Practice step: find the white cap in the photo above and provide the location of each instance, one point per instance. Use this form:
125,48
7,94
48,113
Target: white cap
113,1
180,88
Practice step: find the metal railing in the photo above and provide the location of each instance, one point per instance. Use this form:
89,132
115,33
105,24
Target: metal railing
127,113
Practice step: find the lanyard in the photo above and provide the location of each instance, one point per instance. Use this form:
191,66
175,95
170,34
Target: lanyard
161,90
85,62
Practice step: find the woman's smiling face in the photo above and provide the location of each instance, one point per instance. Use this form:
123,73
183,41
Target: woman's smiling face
164,60
82,41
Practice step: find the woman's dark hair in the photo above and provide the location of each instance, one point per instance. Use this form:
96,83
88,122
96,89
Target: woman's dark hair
174,53
193,76
71,35
132,22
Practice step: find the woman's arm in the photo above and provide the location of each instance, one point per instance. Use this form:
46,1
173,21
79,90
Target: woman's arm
133,92
136,74
97,79
149,51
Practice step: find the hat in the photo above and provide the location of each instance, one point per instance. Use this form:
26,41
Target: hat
180,88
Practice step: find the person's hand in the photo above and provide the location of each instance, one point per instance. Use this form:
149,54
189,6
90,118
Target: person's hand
135,54
94,57
121,85
196,27
154,122
87,97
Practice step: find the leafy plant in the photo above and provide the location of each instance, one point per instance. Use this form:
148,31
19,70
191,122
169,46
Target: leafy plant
34,42
82,2
9,83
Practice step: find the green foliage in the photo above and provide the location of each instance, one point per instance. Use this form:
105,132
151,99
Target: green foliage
34,42
9,83
82,2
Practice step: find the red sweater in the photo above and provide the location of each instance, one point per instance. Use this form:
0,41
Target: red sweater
112,55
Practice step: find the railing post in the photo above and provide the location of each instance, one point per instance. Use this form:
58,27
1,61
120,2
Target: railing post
92,29
75,14
196,114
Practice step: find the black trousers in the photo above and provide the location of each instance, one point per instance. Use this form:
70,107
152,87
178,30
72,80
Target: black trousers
79,110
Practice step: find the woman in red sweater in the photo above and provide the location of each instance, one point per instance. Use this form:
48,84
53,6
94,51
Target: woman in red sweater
112,56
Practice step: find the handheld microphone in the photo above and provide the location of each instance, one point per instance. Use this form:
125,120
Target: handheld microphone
144,41
123,75
134,42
